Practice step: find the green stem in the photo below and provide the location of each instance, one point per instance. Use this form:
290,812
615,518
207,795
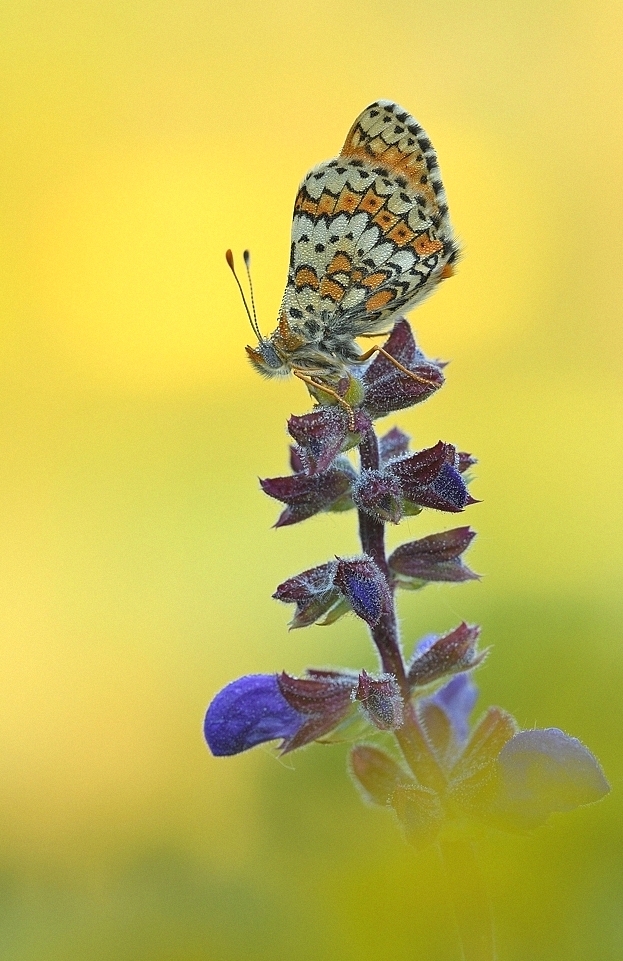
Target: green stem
470,899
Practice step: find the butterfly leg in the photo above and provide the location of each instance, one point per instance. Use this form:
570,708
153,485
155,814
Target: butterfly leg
405,370
333,393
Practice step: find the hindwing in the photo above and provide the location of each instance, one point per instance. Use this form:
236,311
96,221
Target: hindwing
371,236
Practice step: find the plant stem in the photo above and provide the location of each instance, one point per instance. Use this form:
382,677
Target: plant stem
411,737
470,899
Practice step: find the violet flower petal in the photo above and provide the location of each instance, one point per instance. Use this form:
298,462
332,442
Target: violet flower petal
247,712
543,771
456,699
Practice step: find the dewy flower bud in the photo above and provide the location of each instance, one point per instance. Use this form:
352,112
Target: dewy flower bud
437,657
324,433
380,700
362,583
387,388
309,494
314,593
430,479
332,589
378,493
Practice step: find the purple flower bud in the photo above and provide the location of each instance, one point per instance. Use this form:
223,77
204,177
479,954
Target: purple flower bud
247,712
333,589
362,583
447,492
543,771
378,493
377,774
324,433
436,657
381,700
308,494
430,479
433,558
387,388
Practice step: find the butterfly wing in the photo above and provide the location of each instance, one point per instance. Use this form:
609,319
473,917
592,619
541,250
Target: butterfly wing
371,236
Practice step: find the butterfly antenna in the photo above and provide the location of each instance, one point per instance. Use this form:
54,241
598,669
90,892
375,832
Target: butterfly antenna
229,257
247,262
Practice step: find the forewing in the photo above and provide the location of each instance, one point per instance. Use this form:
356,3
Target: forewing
371,234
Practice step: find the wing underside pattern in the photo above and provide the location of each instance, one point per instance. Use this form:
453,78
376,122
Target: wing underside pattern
371,235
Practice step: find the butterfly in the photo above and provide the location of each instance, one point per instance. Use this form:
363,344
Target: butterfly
371,238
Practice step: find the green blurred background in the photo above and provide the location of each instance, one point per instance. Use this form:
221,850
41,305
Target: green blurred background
139,141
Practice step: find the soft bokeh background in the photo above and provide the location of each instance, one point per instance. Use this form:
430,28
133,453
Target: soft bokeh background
140,138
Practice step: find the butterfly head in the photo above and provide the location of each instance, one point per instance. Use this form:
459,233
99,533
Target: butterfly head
271,356
267,359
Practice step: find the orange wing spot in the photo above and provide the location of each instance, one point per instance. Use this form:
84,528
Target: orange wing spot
305,277
371,203
385,220
401,234
309,206
380,299
393,157
347,201
298,203
341,263
357,276
375,280
425,246
326,204
331,289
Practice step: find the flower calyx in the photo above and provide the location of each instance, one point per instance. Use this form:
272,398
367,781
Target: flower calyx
453,653
387,388
435,558
332,589
306,494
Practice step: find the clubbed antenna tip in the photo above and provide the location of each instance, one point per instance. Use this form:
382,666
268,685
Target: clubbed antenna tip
229,257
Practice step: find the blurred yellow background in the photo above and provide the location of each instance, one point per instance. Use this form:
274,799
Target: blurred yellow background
139,141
